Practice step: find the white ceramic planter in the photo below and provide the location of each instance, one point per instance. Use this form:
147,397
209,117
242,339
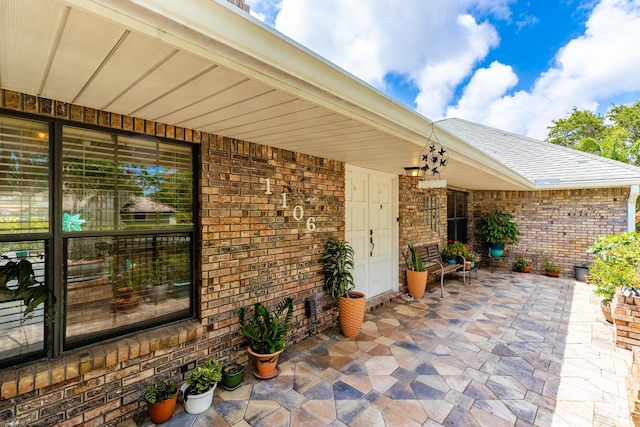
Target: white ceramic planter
197,403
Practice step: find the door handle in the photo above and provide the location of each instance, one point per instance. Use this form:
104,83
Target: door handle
372,244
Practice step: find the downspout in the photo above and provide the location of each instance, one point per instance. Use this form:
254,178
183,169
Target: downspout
631,207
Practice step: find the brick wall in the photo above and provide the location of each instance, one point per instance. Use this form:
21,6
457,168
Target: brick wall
625,312
556,225
413,229
255,250
252,250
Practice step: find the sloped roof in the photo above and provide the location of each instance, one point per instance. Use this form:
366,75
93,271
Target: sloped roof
544,165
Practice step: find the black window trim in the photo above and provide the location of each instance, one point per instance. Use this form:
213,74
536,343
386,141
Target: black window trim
53,239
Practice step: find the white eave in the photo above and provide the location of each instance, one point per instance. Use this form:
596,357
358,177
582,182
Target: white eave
208,66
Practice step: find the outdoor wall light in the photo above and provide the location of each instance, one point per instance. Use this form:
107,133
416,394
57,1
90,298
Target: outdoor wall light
414,171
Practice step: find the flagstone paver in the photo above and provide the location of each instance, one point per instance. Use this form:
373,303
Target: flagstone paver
507,350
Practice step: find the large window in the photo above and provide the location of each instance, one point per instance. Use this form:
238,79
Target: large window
119,232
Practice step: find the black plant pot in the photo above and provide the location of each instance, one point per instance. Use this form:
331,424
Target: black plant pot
581,273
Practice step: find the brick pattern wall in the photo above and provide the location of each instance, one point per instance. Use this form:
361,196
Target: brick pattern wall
252,250
413,229
557,225
625,312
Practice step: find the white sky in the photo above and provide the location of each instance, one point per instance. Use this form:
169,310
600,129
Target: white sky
439,45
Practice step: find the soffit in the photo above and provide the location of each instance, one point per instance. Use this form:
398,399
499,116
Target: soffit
127,57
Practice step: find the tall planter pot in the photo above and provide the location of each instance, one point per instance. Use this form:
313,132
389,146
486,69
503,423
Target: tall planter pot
266,364
351,313
417,283
160,412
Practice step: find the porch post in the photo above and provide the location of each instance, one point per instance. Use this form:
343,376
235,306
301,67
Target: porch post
631,207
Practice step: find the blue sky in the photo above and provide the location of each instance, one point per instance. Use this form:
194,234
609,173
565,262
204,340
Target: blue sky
511,64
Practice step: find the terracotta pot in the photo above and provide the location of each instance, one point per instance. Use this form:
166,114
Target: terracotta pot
553,273
160,412
605,306
468,265
125,293
417,283
351,313
265,364
527,269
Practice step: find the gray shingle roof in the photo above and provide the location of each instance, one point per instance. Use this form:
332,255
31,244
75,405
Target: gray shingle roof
542,163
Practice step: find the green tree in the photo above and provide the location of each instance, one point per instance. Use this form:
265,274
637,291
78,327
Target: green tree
615,135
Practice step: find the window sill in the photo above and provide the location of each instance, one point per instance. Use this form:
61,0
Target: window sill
14,382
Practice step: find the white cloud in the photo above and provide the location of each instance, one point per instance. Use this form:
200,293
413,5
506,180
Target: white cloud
437,45
604,61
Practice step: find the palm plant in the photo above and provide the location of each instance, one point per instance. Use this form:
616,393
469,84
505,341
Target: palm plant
337,263
267,331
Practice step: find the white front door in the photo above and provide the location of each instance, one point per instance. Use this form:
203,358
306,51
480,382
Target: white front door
371,230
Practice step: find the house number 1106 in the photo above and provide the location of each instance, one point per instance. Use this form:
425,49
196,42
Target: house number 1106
298,210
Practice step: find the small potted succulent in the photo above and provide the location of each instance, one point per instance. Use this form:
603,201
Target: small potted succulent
161,401
200,385
521,265
553,270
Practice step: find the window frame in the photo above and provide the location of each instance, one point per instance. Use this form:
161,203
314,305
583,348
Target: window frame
54,238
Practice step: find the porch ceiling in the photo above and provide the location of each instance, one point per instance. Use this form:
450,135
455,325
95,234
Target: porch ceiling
213,68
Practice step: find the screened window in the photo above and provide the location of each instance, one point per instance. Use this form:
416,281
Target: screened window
120,229
457,216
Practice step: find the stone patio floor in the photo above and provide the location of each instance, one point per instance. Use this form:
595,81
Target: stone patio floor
510,349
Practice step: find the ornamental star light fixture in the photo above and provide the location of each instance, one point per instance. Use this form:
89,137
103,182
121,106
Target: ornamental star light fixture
433,160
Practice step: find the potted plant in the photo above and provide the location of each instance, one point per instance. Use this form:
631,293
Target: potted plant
161,401
200,385
416,273
553,270
452,252
581,272
181,275
615,266
337,263
498,229
266,332
521,265
232,375
471,259
18,282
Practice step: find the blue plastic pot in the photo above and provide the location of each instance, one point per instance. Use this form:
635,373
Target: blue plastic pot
496,250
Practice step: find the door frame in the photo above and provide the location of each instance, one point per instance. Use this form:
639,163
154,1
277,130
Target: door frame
395,226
